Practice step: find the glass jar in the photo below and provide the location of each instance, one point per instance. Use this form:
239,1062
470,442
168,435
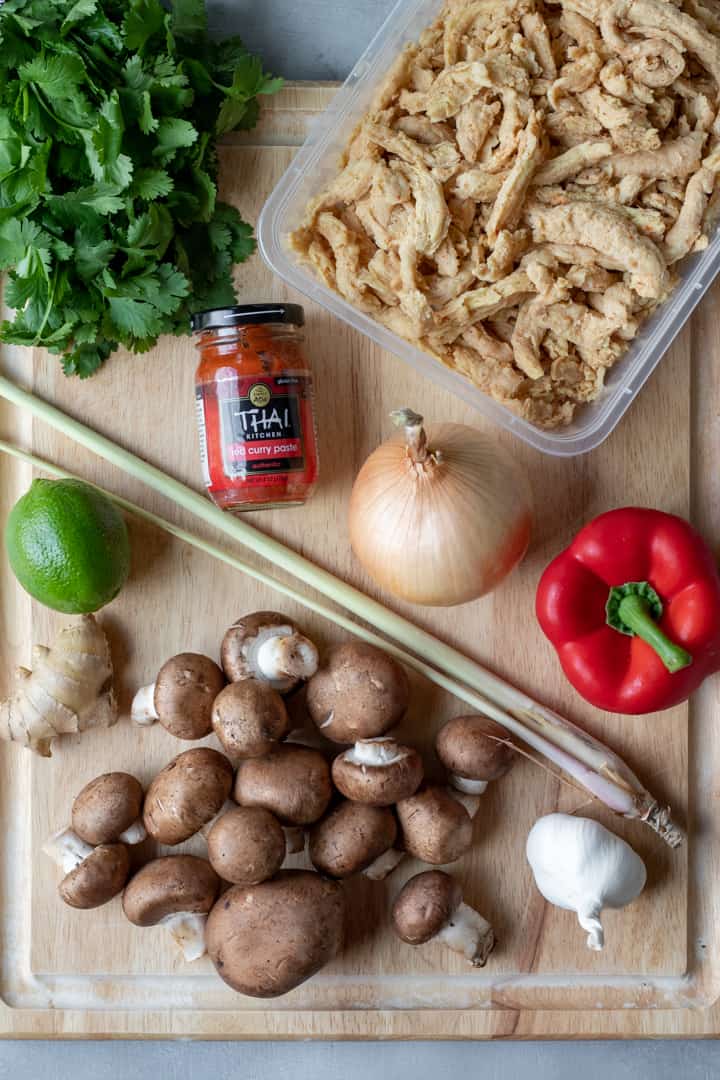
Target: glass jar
254,400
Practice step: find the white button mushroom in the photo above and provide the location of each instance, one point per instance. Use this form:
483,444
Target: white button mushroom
268,647
177,892
265,940
436,828
93,875
181,697
352,838
359,692
430,908
187,794
377,771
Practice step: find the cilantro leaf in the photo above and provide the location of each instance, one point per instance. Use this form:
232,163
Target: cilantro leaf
144,19
86,359
79,11
173,133
104,198
111,231
93,252
134,318
241,242
103,145
152,184
146,121
189,18
18,239
57,76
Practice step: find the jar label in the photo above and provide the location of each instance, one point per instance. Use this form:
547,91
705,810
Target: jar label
261,424
202,431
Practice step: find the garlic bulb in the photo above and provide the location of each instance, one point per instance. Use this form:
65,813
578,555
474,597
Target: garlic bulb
581,866
439,518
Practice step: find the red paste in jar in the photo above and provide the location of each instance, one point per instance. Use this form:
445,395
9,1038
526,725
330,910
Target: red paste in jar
254,399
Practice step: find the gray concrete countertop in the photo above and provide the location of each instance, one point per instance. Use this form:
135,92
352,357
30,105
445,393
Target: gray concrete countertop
322,39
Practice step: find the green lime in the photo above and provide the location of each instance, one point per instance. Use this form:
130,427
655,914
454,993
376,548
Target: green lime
68,546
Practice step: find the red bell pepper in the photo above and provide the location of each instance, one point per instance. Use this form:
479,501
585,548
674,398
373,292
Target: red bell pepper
633,609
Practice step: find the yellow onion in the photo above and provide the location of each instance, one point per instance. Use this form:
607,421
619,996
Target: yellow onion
439,518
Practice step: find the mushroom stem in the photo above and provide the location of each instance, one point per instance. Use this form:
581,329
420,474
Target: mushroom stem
287,656
134,834
67,850
384,865
470,802
468,787
187,930
312,739
142,710
229,804
294,839
375,752
467,933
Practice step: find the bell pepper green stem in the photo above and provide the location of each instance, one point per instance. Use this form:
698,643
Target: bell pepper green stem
634,611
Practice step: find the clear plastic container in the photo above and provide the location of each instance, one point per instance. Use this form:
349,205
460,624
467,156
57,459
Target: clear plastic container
318,162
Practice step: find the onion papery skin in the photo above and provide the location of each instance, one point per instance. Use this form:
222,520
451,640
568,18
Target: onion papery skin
441,533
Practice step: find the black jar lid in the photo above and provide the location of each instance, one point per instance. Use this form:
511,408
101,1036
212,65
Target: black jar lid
248,315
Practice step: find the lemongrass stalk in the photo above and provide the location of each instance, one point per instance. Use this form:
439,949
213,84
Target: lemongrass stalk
543,723
625,795
385,620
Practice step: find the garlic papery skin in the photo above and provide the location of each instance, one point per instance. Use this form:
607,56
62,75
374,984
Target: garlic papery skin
581,866
440,517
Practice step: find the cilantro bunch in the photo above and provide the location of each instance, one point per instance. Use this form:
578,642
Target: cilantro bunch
110,227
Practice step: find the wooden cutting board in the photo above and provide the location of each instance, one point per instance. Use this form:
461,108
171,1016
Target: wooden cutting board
87,974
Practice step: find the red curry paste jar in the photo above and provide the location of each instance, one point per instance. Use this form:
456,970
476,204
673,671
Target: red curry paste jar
254,400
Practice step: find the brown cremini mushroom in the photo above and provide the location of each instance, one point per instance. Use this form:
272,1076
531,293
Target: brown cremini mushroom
436,828
187,794
377,771
430,908
181,697
176,891
249,718
246,845
352,839
292,782
265,940
359,692
109,809
269,647
474,750
93,875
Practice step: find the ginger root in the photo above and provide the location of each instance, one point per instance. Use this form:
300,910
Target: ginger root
68,691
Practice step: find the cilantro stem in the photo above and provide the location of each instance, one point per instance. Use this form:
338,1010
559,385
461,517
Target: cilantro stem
48,308
63,123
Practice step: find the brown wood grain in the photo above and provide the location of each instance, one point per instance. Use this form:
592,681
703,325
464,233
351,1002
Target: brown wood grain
85,974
